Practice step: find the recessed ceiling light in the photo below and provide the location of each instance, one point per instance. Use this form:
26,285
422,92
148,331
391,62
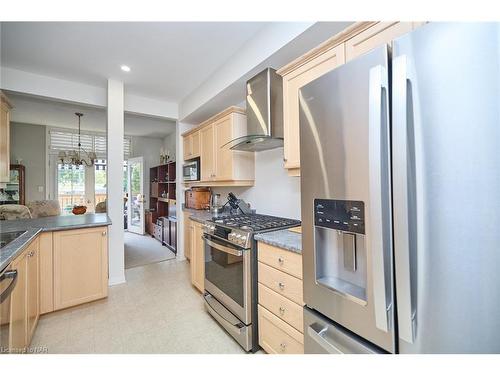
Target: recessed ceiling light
125,68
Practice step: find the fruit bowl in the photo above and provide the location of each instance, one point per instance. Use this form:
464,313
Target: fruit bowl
79,210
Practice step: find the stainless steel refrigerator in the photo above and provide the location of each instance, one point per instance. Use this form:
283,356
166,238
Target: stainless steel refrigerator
400,183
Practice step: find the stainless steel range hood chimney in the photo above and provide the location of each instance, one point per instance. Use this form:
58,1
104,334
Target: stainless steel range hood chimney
264,113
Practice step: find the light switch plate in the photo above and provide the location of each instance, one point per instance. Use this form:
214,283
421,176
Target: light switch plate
40,188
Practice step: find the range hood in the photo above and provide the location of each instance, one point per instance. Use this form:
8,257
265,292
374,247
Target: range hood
264,113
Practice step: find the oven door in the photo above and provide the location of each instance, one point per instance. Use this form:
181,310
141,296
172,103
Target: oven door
228,276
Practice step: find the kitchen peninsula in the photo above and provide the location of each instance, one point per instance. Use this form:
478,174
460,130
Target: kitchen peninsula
58,262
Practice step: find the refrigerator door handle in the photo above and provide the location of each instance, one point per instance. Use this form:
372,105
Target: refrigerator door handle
380,238
402,156
319,335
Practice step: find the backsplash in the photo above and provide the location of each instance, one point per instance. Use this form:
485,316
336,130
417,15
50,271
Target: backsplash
274,193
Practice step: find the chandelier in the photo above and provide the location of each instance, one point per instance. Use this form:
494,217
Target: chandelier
78,156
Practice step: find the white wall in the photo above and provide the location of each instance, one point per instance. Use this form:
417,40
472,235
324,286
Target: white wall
169,145
149,149
27,142
274,193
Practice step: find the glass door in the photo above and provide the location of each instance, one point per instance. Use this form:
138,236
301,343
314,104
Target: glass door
70,181
135,211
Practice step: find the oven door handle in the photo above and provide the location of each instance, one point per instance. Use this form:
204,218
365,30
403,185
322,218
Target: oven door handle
8,275
223,248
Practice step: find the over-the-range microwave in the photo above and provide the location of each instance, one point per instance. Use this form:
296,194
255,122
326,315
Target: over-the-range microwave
191,170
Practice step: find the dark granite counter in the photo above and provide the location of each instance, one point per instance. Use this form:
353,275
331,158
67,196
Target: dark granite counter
45,224
284,239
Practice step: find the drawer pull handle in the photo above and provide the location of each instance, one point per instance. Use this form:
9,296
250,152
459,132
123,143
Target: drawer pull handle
281,260
283,346
104,233
282,310
281,285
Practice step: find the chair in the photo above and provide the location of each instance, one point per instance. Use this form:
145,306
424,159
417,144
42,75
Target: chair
100,207
44,208
14,212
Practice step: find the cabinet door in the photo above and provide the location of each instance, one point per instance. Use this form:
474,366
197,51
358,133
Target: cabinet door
382,32
292,82
80,266
187,236
187,147
195,144
4,142
18,309
198,259
224,155
46,273
207,153
33,288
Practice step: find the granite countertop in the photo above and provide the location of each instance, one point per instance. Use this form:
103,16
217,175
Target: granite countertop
198,215
284,239
44,224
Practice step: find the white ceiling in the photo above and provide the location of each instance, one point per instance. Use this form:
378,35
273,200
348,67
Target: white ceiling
168,59
32,110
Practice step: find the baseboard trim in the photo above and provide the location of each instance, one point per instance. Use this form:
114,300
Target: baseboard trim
116,281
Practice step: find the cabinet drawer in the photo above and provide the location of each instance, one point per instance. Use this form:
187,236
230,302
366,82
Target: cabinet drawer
282,283
282,307
277,337
280,259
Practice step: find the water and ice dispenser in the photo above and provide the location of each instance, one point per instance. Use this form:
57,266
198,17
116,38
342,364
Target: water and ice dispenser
340,247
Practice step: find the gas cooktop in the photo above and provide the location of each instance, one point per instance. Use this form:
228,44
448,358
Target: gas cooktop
240,228
255,222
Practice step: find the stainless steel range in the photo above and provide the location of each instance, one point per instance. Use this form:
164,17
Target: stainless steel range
231,271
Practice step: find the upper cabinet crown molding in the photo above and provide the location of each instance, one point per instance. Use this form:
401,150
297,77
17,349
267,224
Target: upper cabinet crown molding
215,118
327,45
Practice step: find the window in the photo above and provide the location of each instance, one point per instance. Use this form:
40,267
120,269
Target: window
70,186
81,185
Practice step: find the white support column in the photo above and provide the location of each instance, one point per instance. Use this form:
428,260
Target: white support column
115,132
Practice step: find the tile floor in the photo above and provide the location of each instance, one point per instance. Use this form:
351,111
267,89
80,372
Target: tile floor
156,311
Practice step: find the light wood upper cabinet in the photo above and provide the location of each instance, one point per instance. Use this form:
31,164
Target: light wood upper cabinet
224,155
221,166
80,266
292,82
355,40
375,36
191,146
197,257
5,108
207,153
195,144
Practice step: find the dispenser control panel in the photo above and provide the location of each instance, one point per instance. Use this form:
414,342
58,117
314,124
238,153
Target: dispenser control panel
348,216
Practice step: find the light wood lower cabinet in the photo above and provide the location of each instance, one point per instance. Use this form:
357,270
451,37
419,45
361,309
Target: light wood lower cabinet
46,273
25,299
33,289
188,227
197,257
80,266
281,314
19,308
276,336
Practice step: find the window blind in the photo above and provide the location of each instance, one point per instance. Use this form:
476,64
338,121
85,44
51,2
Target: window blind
67,140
